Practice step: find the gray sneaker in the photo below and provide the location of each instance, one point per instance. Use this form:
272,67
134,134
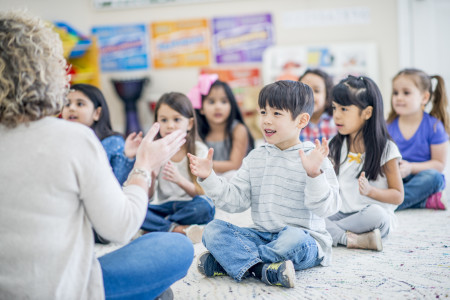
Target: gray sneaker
208,265
280,273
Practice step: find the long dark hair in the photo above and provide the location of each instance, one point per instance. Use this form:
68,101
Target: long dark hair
181,104
328,87
235,114
102,127
362,92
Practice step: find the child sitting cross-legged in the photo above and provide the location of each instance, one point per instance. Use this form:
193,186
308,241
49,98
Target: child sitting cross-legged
290,187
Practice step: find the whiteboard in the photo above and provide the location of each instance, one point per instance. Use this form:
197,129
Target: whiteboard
338,60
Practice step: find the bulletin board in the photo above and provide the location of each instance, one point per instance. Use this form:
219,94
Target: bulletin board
122,47
184,43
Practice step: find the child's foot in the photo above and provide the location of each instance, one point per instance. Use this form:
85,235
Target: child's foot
194,233
281,274
437,201
208,265
369,240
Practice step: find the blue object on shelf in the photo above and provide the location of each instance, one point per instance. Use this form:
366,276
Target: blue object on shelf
83,43
80,48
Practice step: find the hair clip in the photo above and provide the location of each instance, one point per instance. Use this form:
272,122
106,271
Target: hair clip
201,88
361,78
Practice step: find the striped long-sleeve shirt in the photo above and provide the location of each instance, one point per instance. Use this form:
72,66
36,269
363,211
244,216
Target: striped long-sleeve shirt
275,185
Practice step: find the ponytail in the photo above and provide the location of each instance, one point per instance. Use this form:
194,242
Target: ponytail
440,102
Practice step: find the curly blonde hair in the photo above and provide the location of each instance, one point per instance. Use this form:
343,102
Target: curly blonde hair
33,71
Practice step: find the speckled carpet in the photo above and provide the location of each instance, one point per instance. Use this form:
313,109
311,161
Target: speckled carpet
414,264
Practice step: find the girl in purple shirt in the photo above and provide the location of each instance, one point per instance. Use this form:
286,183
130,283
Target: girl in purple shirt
421,137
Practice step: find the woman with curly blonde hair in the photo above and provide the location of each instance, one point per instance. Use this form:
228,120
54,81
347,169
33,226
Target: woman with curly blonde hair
56,184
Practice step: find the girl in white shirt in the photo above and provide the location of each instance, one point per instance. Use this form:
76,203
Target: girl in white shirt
366,163
178,203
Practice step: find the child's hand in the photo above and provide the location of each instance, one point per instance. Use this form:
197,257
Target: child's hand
364,186
314,160
405,168
170,172
201,167
132,144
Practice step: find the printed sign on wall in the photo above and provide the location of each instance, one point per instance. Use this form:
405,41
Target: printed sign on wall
181,43
242,39
338,60
245,83
122,48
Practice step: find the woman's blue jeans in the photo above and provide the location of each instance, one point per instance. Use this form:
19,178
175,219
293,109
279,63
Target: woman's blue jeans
147,266
418,187
200,210
237,249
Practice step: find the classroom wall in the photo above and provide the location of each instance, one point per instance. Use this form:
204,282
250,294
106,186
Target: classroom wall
382,29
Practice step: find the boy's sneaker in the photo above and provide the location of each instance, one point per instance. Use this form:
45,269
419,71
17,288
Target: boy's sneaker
280,273
208,265
369,240
194,233
437,201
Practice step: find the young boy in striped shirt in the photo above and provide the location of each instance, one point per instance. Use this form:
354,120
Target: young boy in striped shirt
289,185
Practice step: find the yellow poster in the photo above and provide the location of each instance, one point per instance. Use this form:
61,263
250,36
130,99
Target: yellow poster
180,43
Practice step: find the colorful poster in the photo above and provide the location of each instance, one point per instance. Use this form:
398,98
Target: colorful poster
122,48
242,39
181,43
246,83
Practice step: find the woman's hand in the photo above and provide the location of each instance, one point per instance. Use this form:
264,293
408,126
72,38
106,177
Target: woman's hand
312,162
132,144
201,167
151,155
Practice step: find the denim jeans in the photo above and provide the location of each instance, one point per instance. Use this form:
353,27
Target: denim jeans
200,210
369,218
147,266
418,187
237,249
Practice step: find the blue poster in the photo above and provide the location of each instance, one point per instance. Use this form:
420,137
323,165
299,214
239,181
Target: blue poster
123,48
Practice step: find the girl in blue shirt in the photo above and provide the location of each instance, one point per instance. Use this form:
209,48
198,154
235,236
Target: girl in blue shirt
422,138
87,105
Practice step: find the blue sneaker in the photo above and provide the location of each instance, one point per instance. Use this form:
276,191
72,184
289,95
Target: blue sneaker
280,273
208,265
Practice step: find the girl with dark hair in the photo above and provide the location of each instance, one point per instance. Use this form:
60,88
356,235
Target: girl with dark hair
421,137
321,124
366,161
220,124
87,105
178,203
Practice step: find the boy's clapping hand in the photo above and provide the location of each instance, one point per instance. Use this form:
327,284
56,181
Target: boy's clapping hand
314,159
201,167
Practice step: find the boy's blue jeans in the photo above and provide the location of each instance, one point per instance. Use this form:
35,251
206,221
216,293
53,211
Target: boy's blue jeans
237,249
147,266
200,210
418,187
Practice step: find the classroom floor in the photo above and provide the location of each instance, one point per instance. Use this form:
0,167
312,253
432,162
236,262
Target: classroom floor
414,264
